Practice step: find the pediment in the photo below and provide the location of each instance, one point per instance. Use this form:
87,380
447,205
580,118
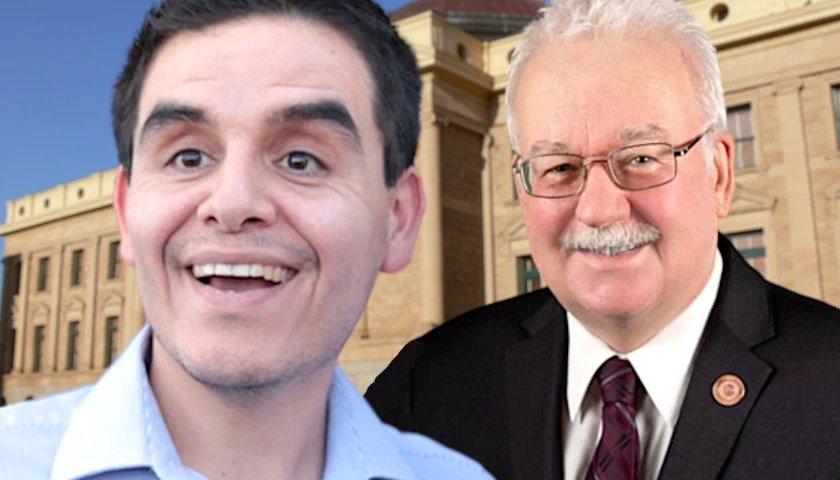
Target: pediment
113,299
746,201
75,307
833,191
516,232
40,310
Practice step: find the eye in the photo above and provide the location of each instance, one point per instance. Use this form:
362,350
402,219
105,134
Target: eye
640,160
301,162
563,167
187,160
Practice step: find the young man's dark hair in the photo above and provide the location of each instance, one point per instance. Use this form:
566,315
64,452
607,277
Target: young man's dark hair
390,60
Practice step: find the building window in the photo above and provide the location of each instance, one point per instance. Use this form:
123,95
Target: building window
529,277
72,345
7,361
76,272
114,261
112,327
739,120
751,246
43,270
38,349
835,100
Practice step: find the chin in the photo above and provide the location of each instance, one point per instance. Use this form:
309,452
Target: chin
250,368
620,302
244,375
617,313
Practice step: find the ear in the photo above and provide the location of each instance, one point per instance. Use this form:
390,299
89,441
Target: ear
723,173
120,195
407,204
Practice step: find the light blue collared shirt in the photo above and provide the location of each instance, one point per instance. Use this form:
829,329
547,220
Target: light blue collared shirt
114,430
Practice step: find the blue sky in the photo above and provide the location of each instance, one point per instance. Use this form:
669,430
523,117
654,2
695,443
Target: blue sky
58,62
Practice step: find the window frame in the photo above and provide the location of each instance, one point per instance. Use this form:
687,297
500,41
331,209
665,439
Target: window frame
738,163
73,333
752,252
114,261
38,349
43,274
524,274
77,267
112,328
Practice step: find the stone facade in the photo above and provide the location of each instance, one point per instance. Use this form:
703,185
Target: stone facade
780,61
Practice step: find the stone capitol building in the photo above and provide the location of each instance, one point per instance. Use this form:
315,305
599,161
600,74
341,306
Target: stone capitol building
69,305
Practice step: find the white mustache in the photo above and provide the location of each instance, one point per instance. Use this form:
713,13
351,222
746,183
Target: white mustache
611,240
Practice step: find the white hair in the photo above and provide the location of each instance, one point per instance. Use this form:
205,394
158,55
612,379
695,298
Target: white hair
564,21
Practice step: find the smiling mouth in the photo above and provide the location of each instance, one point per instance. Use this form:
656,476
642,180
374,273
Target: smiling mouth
241,277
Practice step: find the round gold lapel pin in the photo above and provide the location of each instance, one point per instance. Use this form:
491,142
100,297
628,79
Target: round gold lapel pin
729,390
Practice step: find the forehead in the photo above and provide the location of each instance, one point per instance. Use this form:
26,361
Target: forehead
244,67
599,89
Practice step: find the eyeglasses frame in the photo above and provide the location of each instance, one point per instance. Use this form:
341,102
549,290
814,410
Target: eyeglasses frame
678,151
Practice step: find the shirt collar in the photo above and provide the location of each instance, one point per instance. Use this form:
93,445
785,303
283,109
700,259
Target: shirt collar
665,382
119,426
358,444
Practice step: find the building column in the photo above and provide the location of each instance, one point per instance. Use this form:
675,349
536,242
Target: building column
488,221
806,277
22,318
54,324
431,230
89,326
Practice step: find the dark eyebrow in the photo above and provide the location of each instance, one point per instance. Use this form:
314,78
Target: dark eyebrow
545,147
648,131
329,111
169,113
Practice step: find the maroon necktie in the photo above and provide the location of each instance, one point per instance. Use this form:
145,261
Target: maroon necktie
618,456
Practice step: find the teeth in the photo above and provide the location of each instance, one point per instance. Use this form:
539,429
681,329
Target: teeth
267,272
241,271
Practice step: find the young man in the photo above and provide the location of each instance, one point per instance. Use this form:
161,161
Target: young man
656,351
265,180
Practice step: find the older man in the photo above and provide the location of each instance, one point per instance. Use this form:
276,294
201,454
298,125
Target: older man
656,350
265,180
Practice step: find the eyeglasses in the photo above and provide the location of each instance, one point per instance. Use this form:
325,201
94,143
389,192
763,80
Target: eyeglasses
635,167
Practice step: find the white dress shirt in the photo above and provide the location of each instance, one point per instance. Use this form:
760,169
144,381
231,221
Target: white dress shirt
663,365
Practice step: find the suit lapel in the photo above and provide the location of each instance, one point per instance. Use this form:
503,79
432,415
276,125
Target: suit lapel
534,379
741,319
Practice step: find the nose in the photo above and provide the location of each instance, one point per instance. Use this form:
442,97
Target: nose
601,202
240,197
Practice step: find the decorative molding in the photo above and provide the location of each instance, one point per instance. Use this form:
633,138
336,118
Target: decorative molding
112,299
20,225
75,308
746,201
832,195
788,85
516,232
39,311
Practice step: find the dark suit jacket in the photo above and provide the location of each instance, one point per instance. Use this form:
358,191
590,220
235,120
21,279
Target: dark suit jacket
490,384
